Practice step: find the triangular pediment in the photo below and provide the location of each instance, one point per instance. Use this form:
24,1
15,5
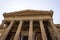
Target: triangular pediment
29,12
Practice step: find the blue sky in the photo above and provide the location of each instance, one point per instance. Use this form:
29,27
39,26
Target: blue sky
17,5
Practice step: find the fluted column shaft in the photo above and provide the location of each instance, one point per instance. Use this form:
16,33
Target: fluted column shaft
30,31
55,29
7,31
18,31
2,23
44,37
51,33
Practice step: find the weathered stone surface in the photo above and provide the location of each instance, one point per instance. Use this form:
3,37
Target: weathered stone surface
43,31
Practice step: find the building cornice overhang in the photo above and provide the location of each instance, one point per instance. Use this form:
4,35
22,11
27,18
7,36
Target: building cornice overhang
28,13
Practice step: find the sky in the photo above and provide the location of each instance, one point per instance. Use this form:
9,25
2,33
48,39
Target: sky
17,5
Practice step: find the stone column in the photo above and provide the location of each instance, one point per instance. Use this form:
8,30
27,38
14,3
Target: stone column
30,37
2,24
54,29
16,37
51,33
7,31
44,37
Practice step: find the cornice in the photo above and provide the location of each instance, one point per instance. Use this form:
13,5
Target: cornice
28,12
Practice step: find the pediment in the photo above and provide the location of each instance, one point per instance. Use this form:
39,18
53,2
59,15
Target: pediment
28,12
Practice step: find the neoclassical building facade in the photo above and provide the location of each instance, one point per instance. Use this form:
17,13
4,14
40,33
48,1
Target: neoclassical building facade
29,25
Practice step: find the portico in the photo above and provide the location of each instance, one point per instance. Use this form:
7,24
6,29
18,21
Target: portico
30,25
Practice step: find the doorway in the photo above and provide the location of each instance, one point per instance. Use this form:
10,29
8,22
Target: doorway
25,38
